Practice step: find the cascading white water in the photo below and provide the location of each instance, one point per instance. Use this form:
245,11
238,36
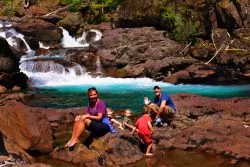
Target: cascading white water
11,35
71,42
98,34
41,45
43,70
98,66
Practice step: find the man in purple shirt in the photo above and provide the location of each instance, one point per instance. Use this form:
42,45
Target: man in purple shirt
166,106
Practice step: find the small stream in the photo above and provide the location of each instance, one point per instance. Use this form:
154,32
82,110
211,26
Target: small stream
174,158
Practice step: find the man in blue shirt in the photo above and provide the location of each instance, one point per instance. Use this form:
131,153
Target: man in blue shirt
166,106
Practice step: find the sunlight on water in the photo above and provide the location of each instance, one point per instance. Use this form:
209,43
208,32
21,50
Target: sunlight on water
120,93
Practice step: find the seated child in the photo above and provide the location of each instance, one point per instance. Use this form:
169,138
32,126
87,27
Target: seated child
112,120
127,123
145,128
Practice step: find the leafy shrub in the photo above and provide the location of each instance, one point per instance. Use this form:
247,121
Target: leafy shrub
181,22
9,7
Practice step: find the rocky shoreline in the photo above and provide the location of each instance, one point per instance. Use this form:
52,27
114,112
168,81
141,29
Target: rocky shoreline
201,123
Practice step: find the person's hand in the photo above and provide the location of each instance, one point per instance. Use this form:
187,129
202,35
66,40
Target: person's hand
133,130
121,127
81,117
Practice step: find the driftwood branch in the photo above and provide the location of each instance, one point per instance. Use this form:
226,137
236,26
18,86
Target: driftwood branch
59,10
212,36
185,48
216,53
243,50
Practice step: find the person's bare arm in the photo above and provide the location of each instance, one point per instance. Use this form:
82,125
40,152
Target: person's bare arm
128,125
152,106
150,126
117,122
163,104
98,117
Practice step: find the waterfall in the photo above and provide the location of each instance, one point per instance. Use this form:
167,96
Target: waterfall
98,65
41,45
11,34
71,42
52,69
98,35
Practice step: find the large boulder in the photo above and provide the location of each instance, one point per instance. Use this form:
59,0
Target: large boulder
140,52
72,22
26,126
40,30
14,79
8,61
112,150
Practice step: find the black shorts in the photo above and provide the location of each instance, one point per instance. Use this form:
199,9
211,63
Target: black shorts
97,128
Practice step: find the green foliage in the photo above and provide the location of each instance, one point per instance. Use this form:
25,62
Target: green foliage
180,22
101,8
9,7
98,9
7,12
5,2
67,2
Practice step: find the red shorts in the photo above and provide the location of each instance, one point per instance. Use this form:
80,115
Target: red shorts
147,138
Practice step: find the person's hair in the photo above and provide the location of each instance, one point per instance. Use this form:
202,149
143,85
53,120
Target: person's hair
110,110
127,110
156,87
148,110
92,89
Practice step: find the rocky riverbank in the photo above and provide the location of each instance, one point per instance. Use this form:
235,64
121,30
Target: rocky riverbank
218,126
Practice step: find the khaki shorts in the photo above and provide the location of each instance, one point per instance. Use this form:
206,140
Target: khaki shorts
168,114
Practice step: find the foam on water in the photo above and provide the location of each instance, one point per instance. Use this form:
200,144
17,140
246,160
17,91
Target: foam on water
71,42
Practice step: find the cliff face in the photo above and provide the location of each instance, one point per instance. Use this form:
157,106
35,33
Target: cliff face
210,14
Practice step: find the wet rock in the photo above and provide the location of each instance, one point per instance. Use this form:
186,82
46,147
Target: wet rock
40,30
8,62
80,155
72,22
86,59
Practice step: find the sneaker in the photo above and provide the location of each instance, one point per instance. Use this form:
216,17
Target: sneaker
158,122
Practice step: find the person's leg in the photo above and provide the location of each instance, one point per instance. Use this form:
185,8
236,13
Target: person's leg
149,147
168,115
75,126
79,127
